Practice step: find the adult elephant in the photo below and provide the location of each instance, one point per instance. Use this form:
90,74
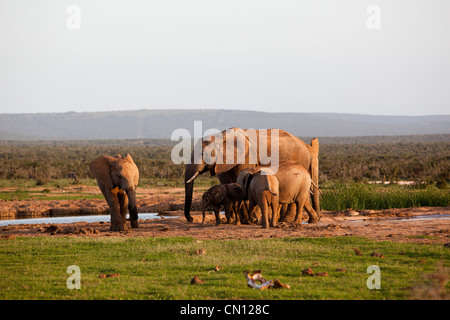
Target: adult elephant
117,178
289,148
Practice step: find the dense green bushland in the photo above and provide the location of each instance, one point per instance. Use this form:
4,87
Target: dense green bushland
422,161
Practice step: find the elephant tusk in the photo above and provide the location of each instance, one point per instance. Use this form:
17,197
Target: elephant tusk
192,178
315,186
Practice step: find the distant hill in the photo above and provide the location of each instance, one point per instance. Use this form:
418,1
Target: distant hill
159,124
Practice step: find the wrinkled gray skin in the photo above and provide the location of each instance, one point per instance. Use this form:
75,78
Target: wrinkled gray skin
230,196
294,187
290,148
261,190
117,178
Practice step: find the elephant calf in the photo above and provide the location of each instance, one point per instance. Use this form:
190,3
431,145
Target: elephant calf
228,195
117,178
260,188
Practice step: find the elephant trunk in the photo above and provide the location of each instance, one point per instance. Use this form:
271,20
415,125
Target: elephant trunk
132,207
192,171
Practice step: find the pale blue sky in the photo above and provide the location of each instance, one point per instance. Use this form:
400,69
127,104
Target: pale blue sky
276,56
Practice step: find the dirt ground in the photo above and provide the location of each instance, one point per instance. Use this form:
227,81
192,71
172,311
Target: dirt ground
391,224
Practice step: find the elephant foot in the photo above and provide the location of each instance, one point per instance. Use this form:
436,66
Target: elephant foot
134,224
313,220
118,228
218,222
297,224
237,223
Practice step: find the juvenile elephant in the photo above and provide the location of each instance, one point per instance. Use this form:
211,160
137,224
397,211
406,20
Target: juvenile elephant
294,187
261,188
228,195
117,178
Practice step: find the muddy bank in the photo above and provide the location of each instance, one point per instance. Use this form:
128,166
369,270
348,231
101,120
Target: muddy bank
372,224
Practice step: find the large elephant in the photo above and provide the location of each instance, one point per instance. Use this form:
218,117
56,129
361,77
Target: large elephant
289,148
117,178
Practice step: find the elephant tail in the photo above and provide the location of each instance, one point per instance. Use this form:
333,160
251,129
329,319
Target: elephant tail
272,185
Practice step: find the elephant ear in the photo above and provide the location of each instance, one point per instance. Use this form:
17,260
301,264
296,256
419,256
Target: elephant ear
237,142
136,175
101,169
219,193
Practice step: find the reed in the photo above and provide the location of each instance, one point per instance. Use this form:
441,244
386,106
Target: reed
360,196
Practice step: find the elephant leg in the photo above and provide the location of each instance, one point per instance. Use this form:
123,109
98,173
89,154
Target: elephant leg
117,222
290,213
299,215
244,212
217,214
228,212
123,204
313,216
275,211
263,204
237,214
249,213
255,214
282,209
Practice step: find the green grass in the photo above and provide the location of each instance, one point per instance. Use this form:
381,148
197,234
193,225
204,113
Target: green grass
362,196
161,268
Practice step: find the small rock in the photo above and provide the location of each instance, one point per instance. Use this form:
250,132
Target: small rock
447,245
277,285
113,275
197,280
200,251
377,255
341,270
308,272
357,252
102,275
322,274
422,261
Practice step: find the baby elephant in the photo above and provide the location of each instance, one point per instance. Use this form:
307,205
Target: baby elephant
228,195
261,188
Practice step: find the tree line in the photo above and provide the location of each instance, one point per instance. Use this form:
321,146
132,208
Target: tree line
416,161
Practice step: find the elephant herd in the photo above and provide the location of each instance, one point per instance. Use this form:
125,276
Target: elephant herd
247,185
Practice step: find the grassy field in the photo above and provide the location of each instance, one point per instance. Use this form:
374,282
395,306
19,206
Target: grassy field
162,268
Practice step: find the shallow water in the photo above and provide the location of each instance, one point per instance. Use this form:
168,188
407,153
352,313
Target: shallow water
71,219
